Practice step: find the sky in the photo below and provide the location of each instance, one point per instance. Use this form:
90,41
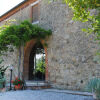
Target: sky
6,5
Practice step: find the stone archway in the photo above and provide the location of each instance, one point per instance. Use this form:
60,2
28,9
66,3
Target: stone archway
27,51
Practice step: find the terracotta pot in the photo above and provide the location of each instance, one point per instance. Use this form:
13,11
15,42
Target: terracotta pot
18,87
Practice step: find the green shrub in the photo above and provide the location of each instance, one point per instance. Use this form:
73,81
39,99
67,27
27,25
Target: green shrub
40,65
94,86
2,81
2,74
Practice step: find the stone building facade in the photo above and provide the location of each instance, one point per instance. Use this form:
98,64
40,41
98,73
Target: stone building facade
70,53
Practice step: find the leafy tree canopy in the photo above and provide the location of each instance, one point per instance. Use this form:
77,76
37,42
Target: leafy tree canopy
82,12
40,65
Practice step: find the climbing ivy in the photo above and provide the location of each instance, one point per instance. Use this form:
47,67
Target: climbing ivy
16,35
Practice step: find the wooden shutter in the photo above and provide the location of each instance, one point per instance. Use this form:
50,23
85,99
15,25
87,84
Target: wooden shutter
35,13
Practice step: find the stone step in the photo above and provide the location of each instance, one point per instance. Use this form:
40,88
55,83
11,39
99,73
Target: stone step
37,85
33,85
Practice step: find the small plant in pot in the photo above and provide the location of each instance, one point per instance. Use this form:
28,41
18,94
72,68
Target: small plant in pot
94,87
2,75
2,81
18,83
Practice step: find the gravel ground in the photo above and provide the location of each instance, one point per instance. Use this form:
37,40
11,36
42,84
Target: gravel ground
40,95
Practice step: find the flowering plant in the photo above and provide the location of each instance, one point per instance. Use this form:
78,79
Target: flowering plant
17,81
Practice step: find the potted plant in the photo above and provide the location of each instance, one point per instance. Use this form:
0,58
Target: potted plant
18,83
2,81
2,75
94,87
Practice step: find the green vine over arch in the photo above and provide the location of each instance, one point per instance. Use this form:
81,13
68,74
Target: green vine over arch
17,35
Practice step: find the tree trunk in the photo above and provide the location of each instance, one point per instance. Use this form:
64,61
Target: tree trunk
19,64
23,61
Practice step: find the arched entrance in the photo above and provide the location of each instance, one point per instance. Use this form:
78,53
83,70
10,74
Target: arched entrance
33,51
37,63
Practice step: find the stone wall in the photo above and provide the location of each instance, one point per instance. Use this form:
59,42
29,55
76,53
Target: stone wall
70,51
12,58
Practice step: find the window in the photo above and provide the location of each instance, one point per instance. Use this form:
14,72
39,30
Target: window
35,13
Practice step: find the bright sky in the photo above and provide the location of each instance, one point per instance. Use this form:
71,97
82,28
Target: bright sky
6,5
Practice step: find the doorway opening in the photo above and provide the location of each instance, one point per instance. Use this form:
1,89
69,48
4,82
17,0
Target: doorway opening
37,63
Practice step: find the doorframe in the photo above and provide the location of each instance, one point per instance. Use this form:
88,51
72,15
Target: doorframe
27,50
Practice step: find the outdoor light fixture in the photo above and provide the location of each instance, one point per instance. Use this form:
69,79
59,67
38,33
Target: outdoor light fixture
11,69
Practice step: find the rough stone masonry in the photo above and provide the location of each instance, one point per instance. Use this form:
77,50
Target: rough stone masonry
70,51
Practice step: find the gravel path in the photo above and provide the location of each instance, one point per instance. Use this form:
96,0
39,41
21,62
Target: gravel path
40,95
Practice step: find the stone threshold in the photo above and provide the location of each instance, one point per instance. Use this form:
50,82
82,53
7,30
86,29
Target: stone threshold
69,92
36,83
33,83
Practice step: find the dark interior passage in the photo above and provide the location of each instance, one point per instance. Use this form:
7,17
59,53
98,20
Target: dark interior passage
37,63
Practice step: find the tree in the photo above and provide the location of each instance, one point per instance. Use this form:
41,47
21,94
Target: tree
40,65
82,12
